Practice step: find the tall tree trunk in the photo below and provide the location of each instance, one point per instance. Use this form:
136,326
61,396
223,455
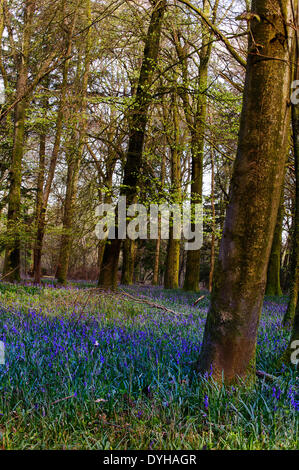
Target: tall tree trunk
212,263
138,121
77,144
229,342
11,269
273,275
155,280
290,313
39,198
41,217
129,254
192,274
171,276
196,121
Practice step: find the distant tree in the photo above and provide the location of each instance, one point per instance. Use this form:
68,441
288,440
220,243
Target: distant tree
138,121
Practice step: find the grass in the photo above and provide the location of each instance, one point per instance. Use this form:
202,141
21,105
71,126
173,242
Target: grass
85,371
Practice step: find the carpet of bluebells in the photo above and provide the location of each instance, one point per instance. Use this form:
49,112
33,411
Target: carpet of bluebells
87,371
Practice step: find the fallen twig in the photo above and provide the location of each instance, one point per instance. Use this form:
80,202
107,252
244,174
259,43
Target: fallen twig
266,376
150,303
198,300
62,399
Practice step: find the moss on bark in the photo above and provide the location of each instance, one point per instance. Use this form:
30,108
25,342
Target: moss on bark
231,329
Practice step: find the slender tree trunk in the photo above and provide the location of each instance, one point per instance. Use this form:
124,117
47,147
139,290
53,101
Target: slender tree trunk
290,313
196,122
212,265
11,269
138,121
155,280
53,161
293,343
273,274
129,254
39,198
229,341
69,207
171,277
192,274
74,162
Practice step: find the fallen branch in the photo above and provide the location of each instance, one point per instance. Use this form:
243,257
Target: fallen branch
198,300
266,376
62,399
150,303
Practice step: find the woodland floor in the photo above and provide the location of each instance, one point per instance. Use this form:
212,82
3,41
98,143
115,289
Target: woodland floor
89,371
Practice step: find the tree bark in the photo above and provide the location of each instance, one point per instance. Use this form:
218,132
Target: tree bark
273,275
290,313
171,276
155,280
39,200
12,260
212,263
138,121
229,342
129,254
77,144
41,217
196,121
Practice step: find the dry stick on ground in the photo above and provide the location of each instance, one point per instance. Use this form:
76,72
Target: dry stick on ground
8,274
198,300
266,376
122,295
151,304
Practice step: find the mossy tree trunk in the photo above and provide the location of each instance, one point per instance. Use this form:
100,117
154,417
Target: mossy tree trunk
41,215
294,341
11,270
155,280
213,240
192,274
104,189
128,266
39,197
229,342
171,276
76,148
273,275
290,312
137,124
196,121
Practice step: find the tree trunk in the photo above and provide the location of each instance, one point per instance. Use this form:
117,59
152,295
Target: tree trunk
129,254
171,277
273,274
212,264
138,121
155,280
290,313
294,341
11,270
54,156
39,201
229,342
192,275
74,161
